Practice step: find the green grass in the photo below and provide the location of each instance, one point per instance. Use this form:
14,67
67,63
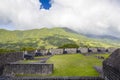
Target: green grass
29,61
38,57
70,65
104,55
75,65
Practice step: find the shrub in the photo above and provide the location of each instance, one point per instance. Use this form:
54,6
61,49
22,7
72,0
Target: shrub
69,46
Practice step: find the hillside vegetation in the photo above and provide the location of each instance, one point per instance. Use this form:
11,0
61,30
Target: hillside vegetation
46,38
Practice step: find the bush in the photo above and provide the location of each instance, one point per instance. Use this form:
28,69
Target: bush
69,46
27,49
6,50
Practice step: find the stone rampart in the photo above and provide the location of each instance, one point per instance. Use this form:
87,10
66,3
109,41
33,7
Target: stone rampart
37,68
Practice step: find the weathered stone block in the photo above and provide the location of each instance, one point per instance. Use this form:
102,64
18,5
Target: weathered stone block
36,68
101,50
110,50
44,52
111,66
71,50
9,57
83,50
92,50
56,51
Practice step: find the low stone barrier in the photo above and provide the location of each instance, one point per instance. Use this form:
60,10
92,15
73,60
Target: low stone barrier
44,52
101,50
9,57
110,50
71,50
37,68
92,50
83,50
56,51
55,78
16,56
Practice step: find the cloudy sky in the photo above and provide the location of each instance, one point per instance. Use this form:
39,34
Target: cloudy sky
99,17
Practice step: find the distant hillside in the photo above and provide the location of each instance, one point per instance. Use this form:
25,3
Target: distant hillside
47,38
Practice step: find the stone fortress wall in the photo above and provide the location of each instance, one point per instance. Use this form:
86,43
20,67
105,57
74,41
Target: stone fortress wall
6,58
6,66
111,66
34,68
75,50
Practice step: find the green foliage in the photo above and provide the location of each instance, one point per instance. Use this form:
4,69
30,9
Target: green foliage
69,46
6,50
28,49
104,55
42,47
47,37
57,41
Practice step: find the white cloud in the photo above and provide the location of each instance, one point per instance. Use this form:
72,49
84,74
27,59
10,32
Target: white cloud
100,17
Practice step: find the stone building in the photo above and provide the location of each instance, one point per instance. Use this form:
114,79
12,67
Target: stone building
111,66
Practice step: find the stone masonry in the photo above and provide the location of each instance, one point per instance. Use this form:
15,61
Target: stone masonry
37,68
56,51
111,66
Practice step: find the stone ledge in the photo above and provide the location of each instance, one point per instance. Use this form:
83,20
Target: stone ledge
55,78
17,68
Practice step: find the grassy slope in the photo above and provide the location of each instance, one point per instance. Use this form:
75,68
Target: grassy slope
75,65
36,33
50,38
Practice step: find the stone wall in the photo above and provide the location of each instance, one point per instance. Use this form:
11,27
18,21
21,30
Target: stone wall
74,50
92,50
71,50
56,51
36,68
44,52
111,66
9,57
111,73
110,50
83,50
56,78
101,50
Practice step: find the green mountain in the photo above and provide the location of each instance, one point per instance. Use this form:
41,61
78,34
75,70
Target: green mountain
47,38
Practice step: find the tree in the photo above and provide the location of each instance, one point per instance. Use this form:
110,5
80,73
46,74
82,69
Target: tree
42,47
27,49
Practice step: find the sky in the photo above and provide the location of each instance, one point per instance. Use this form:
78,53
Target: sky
45,4
97,17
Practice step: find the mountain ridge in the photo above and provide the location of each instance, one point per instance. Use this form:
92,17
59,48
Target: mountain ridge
47,38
